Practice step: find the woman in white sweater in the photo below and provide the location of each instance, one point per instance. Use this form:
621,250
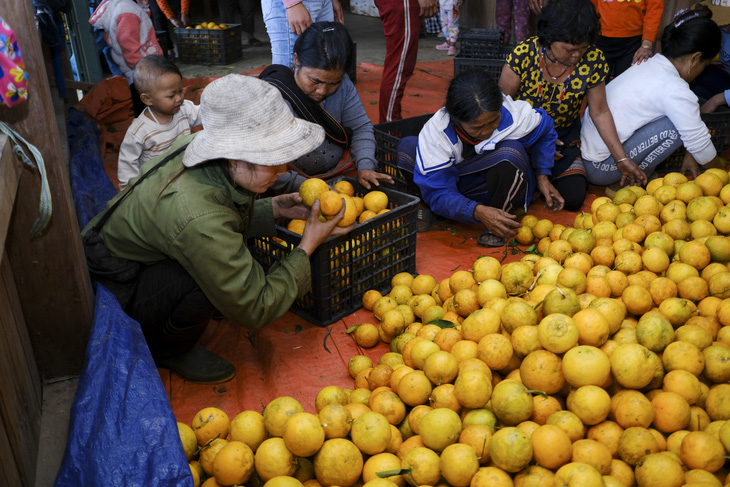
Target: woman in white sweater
654,110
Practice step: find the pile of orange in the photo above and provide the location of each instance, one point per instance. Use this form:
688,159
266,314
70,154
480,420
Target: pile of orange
601,360
358,209
209,25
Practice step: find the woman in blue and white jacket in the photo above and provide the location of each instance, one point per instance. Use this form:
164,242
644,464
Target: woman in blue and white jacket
471,161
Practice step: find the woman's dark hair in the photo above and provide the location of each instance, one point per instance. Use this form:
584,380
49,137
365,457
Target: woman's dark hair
324,45
691,31
471,94
569,21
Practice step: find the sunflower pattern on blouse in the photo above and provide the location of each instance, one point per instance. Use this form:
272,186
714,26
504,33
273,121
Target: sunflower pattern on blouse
589,72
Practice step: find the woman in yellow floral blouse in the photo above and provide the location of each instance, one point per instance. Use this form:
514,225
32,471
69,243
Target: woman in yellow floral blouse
557,71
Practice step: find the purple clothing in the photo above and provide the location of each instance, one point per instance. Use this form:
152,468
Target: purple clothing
514,10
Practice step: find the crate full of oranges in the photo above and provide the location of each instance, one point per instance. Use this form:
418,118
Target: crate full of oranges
209,43
381,244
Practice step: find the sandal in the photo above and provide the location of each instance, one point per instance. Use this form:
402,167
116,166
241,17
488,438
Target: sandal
612,189
426,220
488,239
199,366
255,42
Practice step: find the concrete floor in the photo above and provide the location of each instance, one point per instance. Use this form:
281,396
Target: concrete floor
58,395
367,32
57,399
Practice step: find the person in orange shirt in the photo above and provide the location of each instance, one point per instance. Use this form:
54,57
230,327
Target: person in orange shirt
178,20
628,31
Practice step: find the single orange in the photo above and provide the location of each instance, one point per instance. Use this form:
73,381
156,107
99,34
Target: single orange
551,446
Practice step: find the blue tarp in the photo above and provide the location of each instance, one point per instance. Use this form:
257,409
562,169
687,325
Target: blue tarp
122,430
90,186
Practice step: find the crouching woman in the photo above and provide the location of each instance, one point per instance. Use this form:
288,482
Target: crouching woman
173,245
668,114
470,160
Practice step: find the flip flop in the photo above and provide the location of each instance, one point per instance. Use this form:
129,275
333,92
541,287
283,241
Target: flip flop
488,239
426,220
611,189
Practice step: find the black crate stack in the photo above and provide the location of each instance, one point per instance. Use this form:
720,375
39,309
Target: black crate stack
481,49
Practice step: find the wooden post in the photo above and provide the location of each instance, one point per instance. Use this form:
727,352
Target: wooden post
20,386
50,270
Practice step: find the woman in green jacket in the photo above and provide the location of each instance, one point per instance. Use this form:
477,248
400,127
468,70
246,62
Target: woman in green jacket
187,221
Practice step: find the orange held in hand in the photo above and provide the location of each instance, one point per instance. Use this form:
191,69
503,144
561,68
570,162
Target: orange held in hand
330,203
311,189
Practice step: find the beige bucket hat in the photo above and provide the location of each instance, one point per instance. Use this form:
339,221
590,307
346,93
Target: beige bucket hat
720,10
245,118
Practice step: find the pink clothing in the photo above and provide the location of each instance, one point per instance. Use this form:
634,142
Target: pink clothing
129,32
449,16
13,78
517,11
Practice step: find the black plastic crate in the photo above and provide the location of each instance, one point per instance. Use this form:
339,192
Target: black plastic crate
718,123
345,266
481,43
209,46
387,136
492,66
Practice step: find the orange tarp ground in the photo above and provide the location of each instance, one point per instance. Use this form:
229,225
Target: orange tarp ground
292,357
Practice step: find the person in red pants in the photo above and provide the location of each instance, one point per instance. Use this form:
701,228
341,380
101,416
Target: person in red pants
402,21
